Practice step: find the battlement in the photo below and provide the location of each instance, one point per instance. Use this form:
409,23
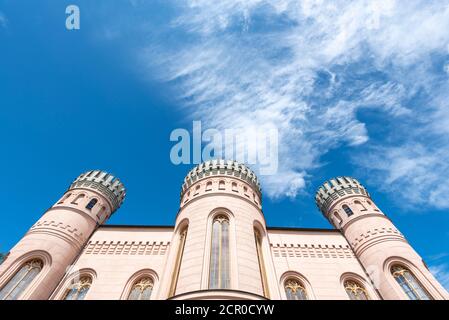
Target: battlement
218,168
111,187
336,188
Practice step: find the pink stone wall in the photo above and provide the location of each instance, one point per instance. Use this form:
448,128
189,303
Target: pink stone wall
320,259
114,255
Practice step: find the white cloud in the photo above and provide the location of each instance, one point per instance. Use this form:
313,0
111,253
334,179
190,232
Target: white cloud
441,272
3,20
309,67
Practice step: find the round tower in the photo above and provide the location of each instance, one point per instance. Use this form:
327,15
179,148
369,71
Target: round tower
220,247
52,244
397,271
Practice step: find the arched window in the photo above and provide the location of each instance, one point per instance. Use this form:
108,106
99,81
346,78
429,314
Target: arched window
79,197
263,273
355,290
79,289
197,190
409,284
337,219
64,198
21,280
234,187
221,185
347,210
182,242
295,290
91,204
141,289
219,258
360,205
209,186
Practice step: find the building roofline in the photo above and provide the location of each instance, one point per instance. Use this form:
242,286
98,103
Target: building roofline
301,229
112,226
117,226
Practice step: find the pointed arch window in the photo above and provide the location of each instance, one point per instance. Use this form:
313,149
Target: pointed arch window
21,280
409,284
295,290
219,277
182,242
355,290
347,210
79,289
141,289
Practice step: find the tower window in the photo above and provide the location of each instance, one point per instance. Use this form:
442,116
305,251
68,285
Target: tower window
219,262
64,198
141,289
347,210
21,280
337,219
409,284
295,290
182,242
360,205
79,289
78,198
91,204
355,290
263,274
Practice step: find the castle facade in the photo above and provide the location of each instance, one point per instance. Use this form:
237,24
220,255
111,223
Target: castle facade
219,247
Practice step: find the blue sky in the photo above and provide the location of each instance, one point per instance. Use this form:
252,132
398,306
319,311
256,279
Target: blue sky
355,88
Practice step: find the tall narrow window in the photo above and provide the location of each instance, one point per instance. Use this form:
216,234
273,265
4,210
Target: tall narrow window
141,289
348,210
91,204
79,289
295,290
182,242
409,284
21,280
355,290
219,260
263,273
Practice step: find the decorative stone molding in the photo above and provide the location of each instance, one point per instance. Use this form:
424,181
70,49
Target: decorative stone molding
54,226
108,185
337,188
311,251
126,248
376,235
220,168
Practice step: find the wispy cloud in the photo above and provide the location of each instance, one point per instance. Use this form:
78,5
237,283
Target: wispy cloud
441,272
311,68
3,20
440,269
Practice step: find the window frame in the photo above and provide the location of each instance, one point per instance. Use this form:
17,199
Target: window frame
36,262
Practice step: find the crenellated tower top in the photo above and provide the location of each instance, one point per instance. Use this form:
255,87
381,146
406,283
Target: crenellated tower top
218,168
100,181
335,189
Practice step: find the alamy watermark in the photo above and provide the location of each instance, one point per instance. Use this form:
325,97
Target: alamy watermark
253,146
72,21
